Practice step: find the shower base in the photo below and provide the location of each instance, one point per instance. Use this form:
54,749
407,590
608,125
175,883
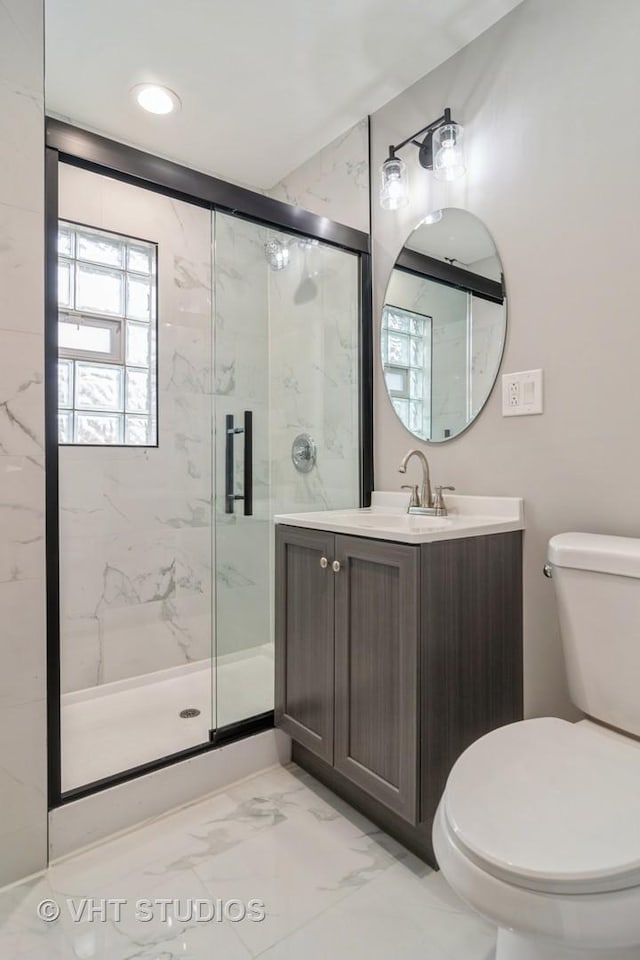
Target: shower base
117,726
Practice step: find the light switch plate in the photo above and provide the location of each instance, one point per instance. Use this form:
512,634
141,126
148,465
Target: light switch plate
522,393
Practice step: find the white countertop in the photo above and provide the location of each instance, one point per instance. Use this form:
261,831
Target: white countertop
387,519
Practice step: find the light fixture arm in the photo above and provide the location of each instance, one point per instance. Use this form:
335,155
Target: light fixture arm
445,118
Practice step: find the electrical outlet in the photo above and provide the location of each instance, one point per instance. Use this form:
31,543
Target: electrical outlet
522,393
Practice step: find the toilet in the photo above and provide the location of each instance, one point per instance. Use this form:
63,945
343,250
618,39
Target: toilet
538,828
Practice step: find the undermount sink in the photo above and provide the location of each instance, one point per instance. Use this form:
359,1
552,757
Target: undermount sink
388,519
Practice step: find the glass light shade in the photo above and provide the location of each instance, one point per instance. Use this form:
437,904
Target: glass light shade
448,152
394,188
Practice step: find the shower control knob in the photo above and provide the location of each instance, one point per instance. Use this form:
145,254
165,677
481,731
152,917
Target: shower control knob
335,566
324,563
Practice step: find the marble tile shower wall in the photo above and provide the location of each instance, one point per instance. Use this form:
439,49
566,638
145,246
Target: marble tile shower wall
449,364
314,377
486,348
334,183
135,523
286,348
23,824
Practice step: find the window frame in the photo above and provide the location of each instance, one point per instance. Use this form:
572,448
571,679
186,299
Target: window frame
116,324
404,372
115,321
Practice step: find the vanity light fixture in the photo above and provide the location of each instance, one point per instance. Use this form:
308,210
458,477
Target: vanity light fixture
155,99
441,150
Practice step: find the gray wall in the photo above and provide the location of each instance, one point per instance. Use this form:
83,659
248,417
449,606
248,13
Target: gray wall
23,809
537,94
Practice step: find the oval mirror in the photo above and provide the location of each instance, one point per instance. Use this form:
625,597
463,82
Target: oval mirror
444,323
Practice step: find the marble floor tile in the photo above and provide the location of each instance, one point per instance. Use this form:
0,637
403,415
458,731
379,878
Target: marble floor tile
298,872
333,885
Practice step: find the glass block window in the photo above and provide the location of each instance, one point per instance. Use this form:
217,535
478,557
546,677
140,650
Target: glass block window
406,357
107,332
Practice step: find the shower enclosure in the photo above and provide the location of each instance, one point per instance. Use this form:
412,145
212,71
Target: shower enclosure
208,375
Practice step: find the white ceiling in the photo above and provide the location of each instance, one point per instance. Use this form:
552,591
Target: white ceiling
264,83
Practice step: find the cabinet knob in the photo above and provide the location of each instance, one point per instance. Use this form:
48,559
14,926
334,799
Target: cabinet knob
324,563
335,566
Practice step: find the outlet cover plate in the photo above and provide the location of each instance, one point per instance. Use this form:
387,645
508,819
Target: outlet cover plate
522,393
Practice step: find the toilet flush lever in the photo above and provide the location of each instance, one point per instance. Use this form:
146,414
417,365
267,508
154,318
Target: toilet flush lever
548,571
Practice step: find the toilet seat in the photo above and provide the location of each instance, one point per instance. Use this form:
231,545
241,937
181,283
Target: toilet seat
550,806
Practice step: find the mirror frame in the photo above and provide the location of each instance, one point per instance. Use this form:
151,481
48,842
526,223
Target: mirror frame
410,261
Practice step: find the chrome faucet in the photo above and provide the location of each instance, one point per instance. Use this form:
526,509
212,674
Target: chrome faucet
425,497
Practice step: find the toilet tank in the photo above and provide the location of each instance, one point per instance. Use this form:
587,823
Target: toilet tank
597,584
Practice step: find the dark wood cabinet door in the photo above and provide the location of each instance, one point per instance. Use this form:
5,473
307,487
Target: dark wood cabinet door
376,710
304,637
471,650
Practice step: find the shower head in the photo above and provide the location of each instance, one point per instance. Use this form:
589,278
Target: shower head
307,288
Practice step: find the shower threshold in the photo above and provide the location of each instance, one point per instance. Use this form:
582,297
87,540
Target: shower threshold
117,726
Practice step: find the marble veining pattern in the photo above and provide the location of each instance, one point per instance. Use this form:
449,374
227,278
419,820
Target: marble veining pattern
332,884
135,523
23,825
334,183
314,364
241,382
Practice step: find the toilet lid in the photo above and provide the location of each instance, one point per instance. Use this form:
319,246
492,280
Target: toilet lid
549,805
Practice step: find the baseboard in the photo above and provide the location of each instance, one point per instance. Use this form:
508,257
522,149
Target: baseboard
91,819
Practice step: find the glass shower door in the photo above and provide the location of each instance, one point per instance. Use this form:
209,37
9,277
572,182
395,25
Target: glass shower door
135,476
244,657
286,376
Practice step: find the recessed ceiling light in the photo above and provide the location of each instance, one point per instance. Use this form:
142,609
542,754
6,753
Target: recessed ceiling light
155,99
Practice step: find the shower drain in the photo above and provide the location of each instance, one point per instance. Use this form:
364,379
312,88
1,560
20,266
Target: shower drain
189,712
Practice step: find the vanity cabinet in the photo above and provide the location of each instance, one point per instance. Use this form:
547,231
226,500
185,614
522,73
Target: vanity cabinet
305,644
391,658
347,657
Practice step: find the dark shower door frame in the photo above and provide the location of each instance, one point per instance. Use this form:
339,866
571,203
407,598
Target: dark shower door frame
72,145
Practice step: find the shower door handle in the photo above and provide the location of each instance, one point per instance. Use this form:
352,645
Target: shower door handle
230,496
248,463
